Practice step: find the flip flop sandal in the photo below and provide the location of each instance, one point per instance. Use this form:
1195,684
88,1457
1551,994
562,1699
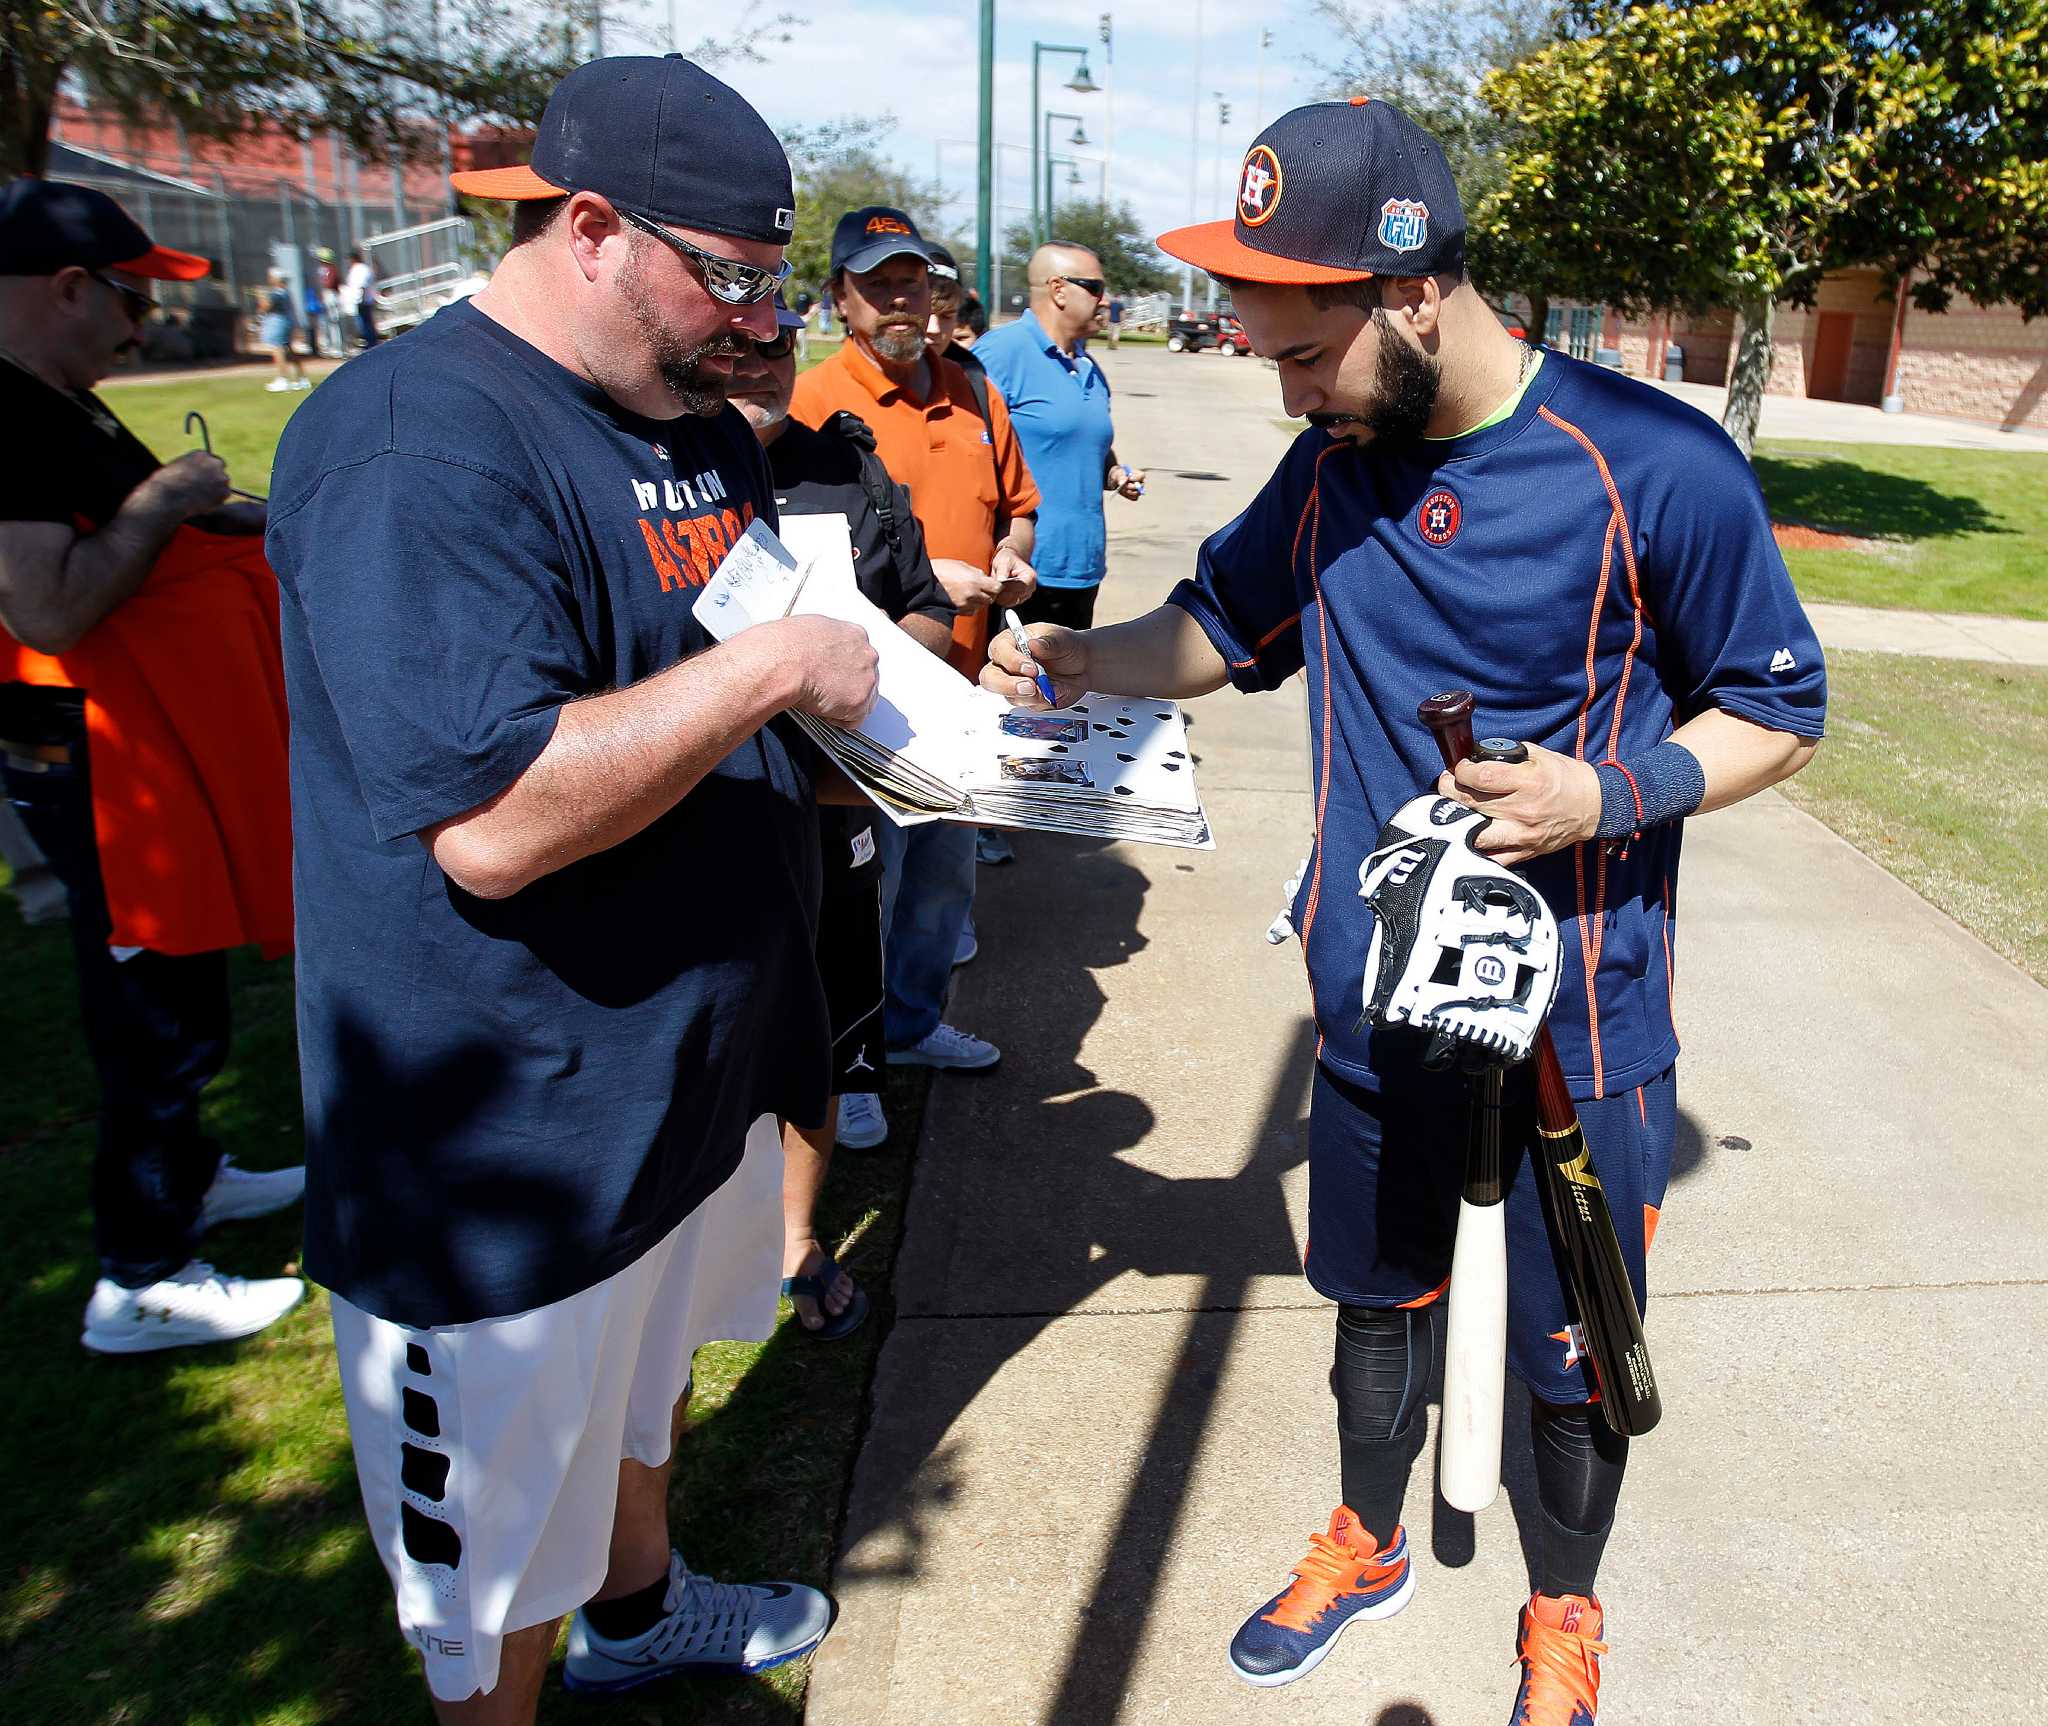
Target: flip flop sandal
848,1320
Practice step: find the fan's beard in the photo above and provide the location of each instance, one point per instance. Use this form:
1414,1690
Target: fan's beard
696,389
1405,386
901,342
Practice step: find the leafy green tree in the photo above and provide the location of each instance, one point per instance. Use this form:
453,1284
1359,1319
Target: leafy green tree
1730,152
1428,61
384,78
1111,231
839,166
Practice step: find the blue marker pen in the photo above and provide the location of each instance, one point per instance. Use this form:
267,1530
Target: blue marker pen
1023,641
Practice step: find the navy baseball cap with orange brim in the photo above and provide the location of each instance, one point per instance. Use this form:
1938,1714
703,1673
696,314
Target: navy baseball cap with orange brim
660,137
52,225
1334,192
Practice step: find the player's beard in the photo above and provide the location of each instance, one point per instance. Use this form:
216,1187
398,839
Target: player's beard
696,389
1405,385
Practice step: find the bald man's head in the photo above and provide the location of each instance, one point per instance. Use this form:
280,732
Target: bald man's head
1067,290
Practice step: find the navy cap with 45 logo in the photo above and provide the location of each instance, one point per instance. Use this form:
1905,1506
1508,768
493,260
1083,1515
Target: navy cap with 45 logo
1335,192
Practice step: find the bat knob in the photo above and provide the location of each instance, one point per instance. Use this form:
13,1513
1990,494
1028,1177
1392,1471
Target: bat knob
1500,749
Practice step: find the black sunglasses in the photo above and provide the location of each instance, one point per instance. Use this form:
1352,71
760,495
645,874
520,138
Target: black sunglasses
778,347
137,304
1089,285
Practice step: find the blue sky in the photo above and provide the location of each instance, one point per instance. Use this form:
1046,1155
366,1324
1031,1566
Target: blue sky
916,59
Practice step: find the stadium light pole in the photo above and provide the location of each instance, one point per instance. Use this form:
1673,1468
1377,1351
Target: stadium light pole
1081,84
1187,270
984,205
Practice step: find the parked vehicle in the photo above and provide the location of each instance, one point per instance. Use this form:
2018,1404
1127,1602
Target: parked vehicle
1191,333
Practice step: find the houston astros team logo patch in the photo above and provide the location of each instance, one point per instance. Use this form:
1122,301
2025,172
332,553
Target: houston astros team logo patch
1439,517
1258,187
1404,224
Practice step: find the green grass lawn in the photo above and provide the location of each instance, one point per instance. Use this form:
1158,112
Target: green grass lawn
245,421
1954,530
185,1540
1938,769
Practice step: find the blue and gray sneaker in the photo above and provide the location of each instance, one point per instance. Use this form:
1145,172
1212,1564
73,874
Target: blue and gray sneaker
1344,1578
709,1627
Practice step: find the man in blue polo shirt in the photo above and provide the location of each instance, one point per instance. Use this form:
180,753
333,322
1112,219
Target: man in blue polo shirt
1594,561
1059,402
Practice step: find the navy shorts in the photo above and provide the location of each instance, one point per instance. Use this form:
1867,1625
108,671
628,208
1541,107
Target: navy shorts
1386,1169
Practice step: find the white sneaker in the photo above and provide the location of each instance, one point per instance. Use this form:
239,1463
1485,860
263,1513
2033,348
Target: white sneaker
946,1047
862,1125
965,950
194,1305
302,383
237,1192
710,1627
277,386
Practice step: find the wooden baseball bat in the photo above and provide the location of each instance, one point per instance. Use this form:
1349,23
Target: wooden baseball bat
1596,1273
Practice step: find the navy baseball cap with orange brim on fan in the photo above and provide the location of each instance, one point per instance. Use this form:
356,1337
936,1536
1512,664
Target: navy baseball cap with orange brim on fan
52,225
1334,192
662,138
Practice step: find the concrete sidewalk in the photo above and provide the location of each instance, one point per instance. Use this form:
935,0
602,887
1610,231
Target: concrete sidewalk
1851,422
1101,1426
1930,634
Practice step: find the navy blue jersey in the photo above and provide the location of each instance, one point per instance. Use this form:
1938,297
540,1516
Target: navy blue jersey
1597,568
508,1100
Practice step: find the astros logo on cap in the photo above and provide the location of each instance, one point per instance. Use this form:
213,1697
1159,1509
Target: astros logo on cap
1258,189
1404,224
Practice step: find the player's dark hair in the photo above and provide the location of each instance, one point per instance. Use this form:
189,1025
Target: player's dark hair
532,217
1364,294
974,315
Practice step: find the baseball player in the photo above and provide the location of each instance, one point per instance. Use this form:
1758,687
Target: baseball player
1594,561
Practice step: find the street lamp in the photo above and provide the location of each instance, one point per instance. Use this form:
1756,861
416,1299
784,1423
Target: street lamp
1079,137
1081,84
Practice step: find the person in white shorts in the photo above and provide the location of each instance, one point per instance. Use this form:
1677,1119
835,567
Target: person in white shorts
557,882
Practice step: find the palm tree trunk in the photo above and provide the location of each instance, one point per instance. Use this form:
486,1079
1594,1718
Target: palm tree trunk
1539,316
1752,375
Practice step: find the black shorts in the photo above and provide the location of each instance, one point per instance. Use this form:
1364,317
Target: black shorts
850,946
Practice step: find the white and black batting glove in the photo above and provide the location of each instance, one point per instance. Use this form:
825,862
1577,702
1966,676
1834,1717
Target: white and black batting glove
1460,945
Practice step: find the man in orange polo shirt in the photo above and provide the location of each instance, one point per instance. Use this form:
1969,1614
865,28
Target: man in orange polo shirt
975,500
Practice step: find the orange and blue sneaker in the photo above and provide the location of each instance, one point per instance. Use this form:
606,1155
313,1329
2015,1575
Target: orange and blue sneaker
1560,1651
1344,1578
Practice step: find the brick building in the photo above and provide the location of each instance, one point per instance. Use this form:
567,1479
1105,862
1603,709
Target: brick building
1857,344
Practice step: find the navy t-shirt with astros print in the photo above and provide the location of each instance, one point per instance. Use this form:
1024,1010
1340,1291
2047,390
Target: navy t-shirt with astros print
1596,568
506,1101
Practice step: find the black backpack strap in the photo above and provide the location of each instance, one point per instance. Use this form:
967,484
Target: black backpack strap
874,477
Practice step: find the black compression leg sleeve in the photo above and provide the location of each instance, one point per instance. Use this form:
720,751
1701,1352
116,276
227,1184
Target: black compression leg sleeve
1380,1379
1579,1464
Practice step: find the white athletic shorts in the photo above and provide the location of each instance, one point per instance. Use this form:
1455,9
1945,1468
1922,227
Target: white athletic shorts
489,1452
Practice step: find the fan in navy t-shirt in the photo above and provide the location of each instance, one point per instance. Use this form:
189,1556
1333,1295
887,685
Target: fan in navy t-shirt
506,1100
1591,559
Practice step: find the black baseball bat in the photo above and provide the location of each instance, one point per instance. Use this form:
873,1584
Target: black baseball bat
1596,1273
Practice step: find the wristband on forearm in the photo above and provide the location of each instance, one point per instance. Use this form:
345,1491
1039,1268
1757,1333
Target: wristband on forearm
1661,784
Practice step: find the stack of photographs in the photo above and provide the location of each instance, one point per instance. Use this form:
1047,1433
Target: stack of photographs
936,747
1108,765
